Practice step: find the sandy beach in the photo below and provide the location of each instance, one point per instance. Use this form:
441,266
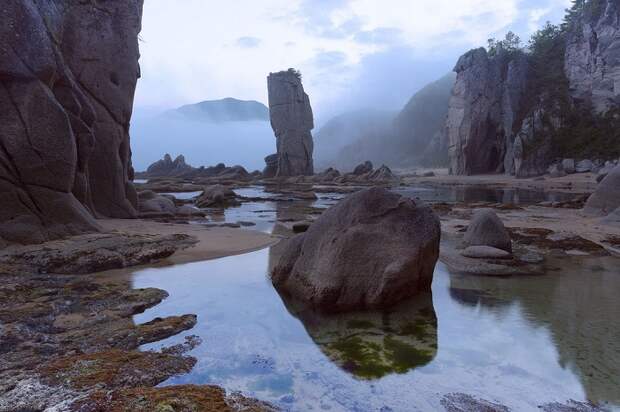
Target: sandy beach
212,242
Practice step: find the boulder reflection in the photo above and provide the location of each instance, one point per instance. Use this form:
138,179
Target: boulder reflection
370,345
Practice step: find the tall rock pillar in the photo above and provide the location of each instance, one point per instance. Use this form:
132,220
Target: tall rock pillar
292,122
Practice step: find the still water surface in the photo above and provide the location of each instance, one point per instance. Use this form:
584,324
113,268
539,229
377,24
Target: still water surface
521,341
518,341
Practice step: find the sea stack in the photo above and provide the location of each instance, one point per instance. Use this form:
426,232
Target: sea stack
292,122
69,71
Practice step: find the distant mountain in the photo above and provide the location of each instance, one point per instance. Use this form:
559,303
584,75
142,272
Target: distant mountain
349,138
419,127
413,136
224,110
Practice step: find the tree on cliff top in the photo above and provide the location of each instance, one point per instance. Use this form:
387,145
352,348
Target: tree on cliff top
511,44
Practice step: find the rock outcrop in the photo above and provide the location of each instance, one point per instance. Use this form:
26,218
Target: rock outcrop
68,71
292,122
167,167
371,250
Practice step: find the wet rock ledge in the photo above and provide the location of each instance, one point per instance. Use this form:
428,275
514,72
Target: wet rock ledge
69,342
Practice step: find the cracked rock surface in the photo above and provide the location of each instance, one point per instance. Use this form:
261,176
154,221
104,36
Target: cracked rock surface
68,71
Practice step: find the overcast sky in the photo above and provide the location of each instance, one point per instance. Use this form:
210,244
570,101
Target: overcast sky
351,53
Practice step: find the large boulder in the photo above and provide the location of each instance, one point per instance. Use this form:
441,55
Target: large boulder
371,250
292,122
486,229
69,71
606,197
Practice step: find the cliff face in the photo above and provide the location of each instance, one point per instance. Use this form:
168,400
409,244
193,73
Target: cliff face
592,62
68,71
483,109
292,122
514,112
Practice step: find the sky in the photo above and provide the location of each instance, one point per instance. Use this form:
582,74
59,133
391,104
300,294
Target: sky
352,53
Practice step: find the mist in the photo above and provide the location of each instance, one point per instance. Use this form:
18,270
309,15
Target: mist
244,143
361,64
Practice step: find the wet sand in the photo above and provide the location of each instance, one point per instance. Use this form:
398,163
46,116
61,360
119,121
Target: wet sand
214,242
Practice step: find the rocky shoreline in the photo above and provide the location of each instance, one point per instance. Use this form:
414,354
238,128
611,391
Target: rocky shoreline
69,340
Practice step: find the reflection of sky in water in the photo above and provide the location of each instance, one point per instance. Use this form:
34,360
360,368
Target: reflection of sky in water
263,214
184,195
498,350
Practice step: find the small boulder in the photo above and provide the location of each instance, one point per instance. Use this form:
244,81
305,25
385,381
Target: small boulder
486,229
613,218
189,211
568,165
584,166
234,173
363,168
328,175
151,202
428,174
606,197
217,196
556,170
371,250
485,252
271,166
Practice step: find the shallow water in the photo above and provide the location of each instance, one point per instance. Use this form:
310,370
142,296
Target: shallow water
519,341
184,195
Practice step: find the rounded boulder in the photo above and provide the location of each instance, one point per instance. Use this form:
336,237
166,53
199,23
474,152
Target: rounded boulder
370,251
486,229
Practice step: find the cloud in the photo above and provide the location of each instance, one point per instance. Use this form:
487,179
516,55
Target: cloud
380,35
329,59
337,44
247,42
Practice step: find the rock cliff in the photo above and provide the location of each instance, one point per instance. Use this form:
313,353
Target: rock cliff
482,110
292,122
515,110
68,71
592,63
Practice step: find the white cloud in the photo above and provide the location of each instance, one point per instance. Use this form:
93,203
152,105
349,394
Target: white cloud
198,49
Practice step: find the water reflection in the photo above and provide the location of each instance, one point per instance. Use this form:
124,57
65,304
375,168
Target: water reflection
578,302
518,341
373,344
